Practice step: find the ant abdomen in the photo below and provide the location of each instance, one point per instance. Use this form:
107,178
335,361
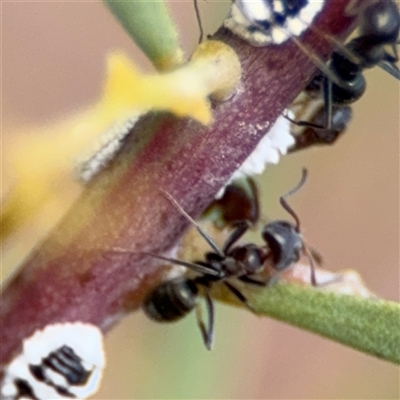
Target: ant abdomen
285,243
171,300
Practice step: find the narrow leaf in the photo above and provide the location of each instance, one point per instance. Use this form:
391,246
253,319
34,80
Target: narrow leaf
368,324
151,27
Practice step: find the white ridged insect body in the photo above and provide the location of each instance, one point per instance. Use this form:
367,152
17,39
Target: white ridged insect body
264,22
59,362
104,149
272,146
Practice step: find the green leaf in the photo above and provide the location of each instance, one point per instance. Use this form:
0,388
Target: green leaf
150,25
370,325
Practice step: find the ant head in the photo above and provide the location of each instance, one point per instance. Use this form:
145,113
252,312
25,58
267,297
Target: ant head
285,243
380,23
284,238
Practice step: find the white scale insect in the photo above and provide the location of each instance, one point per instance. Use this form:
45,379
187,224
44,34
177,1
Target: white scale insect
269,150
265,22
62,361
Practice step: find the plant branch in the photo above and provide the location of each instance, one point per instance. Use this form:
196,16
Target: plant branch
87,269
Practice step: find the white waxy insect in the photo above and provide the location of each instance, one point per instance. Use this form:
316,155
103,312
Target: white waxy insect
264,22
269,150
62,361
104,149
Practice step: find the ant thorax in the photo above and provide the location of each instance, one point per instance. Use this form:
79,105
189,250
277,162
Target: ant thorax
265,22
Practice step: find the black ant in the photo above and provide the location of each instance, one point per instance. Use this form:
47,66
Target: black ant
343,82
239,202
173,299
311,132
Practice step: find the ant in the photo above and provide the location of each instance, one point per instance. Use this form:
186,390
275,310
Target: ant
264,22
173,299
342,81
311,132
239,202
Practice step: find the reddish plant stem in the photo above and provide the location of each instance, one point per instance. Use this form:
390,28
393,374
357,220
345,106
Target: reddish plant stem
87,269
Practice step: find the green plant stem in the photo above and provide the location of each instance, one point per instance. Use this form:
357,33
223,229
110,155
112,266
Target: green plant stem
367,324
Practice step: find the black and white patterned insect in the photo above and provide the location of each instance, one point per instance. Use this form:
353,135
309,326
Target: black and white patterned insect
175,298
265,22
62,361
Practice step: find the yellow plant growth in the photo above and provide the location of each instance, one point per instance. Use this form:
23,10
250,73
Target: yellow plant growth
39,161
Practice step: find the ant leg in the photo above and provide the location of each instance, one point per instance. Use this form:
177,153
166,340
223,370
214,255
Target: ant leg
317,256
252,281
207,332
312,265
390,68
255,196
202,232
303,123
239,295
201,269
275,278
328,102
241,228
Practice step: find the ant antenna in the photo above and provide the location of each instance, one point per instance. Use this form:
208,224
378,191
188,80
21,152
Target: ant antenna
321,65
286,205
338,45
202,232
198,17
201,269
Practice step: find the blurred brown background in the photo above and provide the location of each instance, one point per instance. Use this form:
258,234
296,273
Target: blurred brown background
53,62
